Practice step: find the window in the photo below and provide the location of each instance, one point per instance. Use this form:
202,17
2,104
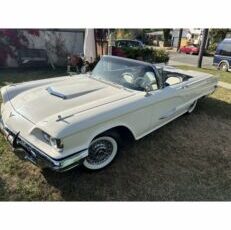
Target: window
133,44
121,44
224,49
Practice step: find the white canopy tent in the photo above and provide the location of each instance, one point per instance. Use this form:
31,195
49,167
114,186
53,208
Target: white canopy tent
89,46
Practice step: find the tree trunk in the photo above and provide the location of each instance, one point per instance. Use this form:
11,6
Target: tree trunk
202,47
179,39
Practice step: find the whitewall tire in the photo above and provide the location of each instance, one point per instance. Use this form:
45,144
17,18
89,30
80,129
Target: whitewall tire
224,66
102,151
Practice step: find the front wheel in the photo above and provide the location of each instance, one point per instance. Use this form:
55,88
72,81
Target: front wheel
102,151
223,66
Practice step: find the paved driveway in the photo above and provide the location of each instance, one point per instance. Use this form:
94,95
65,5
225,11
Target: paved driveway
187,59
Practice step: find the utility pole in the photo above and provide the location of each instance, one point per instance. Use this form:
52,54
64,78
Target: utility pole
202,47
179,39
111,41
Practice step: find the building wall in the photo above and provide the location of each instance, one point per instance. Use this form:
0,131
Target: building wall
57,43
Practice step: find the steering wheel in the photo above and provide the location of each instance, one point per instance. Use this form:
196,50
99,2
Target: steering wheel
139,81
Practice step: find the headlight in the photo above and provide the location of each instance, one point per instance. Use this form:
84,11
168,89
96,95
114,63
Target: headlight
46,137
55,142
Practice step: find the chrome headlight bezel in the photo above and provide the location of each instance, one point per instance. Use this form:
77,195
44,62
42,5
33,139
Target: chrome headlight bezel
54,142
57,143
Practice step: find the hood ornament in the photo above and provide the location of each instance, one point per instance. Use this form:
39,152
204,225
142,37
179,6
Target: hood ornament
60,118
11,114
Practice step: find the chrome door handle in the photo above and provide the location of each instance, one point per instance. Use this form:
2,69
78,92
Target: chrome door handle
184,87
164,117
169,114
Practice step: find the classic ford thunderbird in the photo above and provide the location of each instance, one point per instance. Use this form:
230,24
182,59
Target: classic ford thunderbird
63,122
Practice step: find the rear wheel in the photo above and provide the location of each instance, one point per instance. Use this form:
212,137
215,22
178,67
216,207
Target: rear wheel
224,66
102,151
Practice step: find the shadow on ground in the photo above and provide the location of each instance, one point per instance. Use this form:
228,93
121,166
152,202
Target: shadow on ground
188,159
3,190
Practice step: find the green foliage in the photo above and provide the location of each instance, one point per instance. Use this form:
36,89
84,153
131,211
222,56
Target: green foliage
124,34
167,34
218,35
212,47
147,54
129,34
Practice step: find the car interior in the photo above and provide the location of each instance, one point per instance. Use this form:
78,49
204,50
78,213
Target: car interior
141,78
171,78
140,82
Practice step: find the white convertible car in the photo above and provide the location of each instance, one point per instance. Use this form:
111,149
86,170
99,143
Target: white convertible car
63,122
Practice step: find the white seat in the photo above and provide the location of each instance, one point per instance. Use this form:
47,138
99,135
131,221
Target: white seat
149,78
174,80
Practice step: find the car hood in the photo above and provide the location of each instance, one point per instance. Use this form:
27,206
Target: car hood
64,98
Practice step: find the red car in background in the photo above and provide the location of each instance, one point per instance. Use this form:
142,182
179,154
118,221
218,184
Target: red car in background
189,49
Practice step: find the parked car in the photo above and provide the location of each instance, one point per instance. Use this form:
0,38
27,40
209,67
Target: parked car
123,43
85,117
120,44
222,57
189,49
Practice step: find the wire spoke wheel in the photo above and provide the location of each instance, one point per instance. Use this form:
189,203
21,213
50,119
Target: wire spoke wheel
224,67
101,152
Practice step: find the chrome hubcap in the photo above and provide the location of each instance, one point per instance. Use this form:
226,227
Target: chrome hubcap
224,67
99,151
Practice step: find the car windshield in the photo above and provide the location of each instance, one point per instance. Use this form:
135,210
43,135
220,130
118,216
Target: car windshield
125,73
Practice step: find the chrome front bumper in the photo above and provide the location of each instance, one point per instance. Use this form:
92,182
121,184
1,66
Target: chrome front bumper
24,149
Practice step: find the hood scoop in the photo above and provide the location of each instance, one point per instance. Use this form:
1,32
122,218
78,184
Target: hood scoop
69,92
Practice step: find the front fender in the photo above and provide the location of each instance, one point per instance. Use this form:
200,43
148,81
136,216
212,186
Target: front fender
82,139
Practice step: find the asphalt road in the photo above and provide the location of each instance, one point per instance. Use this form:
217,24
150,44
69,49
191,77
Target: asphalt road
187,59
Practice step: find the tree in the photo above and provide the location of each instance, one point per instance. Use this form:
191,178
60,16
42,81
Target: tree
218,35
179,39
129,34
167,36
202,47
166,33
11,41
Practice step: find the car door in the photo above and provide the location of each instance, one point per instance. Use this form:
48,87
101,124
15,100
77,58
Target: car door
159,106
168,103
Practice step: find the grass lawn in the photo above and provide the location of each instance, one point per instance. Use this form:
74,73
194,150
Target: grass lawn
188,159
222,76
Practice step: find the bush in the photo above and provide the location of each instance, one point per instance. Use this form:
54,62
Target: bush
147,54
